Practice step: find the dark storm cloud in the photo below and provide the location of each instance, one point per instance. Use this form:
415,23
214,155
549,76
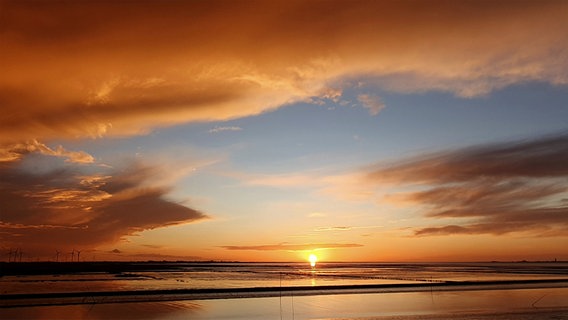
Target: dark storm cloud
65,208
495,189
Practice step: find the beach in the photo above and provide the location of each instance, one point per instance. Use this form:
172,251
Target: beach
285,291
551,303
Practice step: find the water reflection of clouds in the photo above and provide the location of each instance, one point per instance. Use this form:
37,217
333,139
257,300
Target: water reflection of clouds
146,310
482,304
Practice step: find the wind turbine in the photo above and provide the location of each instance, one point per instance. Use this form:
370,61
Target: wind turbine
16,255
73,255
78,255
57,252
10,255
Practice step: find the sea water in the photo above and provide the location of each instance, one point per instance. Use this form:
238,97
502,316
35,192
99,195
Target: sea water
191,275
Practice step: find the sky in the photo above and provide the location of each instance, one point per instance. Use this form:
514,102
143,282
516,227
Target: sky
272,130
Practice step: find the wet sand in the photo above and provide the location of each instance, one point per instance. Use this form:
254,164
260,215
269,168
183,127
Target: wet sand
98,297
508,304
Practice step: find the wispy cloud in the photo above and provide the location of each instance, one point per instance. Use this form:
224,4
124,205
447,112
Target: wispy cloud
316,215
344,228
125,255
285,180
335,228
294,247
491,189
16,151
371,102
221,129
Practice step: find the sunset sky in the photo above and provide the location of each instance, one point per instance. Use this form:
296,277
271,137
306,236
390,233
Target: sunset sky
271,130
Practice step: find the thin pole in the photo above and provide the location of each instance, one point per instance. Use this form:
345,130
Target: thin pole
280,295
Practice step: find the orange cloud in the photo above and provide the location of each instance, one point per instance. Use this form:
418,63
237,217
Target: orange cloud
344,228
16,151
90,69
294,247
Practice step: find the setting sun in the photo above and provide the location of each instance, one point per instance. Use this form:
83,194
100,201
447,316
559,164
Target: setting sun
313,259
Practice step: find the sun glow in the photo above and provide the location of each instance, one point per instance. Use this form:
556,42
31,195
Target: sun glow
313,259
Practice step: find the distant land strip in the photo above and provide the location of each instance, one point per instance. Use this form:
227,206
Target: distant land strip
97,297
119,267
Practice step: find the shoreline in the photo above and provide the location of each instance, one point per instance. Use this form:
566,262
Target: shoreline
100,297
118,267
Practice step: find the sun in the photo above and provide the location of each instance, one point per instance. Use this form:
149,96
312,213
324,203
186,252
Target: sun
313,259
